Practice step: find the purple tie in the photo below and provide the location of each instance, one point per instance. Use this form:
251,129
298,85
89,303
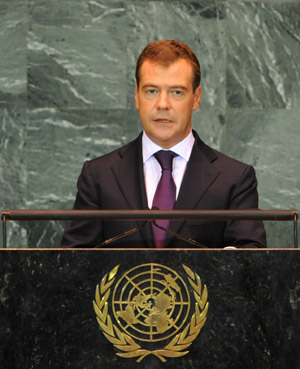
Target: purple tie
165,193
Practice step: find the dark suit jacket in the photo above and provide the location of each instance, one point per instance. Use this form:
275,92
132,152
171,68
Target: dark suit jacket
212,181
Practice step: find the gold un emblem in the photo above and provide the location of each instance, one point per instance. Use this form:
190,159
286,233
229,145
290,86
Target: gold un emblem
148,311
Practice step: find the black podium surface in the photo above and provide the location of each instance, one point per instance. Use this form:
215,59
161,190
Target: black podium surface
48,320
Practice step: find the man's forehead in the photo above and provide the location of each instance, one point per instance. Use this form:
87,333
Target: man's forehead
164,64
150,67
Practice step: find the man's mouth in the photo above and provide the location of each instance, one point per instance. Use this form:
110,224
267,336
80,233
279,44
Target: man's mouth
163,120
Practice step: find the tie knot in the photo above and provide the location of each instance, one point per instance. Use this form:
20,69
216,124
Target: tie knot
165,159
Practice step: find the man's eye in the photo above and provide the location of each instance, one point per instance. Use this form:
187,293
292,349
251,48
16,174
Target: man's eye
151,91
177,93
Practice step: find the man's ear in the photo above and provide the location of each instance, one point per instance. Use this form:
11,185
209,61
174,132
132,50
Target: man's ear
197,97
136,97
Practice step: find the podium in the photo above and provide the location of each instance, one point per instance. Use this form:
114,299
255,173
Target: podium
150,216
250,310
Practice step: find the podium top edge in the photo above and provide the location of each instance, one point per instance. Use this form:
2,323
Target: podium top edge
150,249
208,215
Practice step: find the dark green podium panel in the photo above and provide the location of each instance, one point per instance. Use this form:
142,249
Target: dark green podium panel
153,297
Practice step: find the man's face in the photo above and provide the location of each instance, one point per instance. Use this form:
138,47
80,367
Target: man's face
165,100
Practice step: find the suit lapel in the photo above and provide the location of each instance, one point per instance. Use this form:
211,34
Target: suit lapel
199,176
129,174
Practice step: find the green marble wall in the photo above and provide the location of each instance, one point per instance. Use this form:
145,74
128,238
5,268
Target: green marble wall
67,94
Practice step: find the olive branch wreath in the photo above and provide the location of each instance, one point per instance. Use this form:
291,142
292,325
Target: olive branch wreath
125,343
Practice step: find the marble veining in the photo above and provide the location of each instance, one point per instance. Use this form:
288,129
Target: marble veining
67,94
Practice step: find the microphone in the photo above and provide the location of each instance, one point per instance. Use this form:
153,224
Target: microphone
178,235
136,229
123,234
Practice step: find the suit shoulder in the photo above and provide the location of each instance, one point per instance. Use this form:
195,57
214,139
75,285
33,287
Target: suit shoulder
220,159
113,156
228,160
215,161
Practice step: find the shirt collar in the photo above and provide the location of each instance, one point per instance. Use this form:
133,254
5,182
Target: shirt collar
182,149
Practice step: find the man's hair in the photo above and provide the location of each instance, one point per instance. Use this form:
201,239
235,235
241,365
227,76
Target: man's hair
167,52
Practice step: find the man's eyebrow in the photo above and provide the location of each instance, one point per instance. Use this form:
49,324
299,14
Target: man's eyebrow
178,87
148,85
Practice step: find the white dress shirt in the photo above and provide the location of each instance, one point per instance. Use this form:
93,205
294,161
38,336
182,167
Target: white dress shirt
152,169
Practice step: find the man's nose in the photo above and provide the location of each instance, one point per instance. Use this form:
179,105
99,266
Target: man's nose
163,102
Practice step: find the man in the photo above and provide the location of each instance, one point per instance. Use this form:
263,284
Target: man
196,177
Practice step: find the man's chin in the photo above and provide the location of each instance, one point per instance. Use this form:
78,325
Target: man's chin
165,140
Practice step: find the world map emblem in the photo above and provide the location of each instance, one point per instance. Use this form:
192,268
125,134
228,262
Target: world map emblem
151,310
